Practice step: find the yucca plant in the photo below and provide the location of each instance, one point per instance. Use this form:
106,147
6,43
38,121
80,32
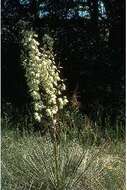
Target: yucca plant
30,163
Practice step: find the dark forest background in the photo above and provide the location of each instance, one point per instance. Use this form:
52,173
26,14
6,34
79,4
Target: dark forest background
89,38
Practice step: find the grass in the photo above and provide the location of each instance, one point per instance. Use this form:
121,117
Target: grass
85,158
28,162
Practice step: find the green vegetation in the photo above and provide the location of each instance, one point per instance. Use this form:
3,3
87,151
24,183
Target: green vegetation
78,160
63,95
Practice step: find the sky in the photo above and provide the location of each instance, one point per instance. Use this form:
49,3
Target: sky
82,11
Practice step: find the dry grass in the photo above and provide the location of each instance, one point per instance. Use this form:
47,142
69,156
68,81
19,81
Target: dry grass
28,162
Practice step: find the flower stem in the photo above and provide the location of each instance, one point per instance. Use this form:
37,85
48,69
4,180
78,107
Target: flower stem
56,154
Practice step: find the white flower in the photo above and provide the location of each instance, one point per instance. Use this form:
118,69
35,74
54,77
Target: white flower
39,54
49,61
35,42
37,58
53,100
34,82
63,87
49,113
48,91
51,79
37,116
54,121
59,93
33,47
37,106
55,83
35,35
30,38
51,85
65,101
39,66
60,100
53,96
32,73
37,75
52,72
54,67
58,78
35,95
61,106
37,82
55,110
41,70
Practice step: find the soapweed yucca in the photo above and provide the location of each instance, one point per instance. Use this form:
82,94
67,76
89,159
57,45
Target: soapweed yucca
30,163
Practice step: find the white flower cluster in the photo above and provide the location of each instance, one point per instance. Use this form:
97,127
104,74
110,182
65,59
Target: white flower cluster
43,78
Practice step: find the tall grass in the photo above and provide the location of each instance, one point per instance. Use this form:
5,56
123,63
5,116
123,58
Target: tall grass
29,162
84,158
70,121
